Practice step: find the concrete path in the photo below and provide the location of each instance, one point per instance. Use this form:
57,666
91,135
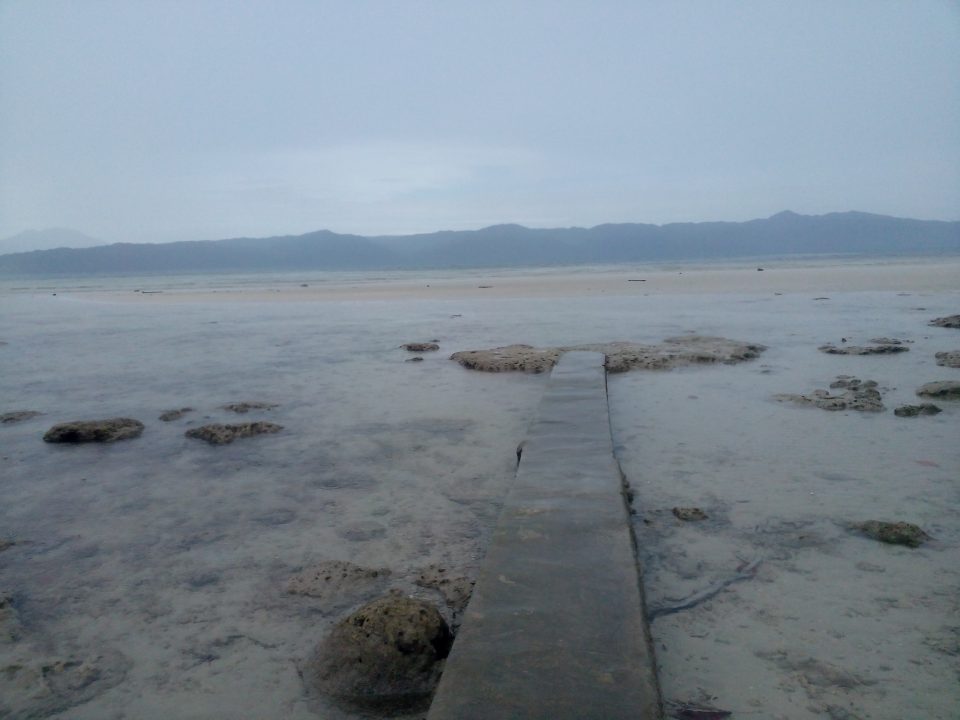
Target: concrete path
555,628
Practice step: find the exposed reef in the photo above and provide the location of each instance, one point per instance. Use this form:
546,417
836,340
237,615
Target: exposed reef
245,407
949,358
421,346
170,415
102,431
944,389
217,434
915,410
16,416
950,321
621,356
886,348
860,395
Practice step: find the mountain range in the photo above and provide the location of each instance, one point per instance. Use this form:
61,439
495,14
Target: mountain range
786,233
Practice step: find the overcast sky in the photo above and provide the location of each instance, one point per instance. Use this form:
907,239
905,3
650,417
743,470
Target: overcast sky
151,121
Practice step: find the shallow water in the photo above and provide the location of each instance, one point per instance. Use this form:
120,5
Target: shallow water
167,558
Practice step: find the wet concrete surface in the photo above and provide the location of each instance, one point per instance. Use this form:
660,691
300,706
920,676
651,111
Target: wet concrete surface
555,628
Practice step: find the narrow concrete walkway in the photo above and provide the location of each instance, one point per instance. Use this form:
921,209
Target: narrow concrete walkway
555,628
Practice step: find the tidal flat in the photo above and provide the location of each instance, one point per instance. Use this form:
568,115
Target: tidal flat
150,578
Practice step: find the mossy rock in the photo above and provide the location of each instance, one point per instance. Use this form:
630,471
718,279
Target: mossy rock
894,533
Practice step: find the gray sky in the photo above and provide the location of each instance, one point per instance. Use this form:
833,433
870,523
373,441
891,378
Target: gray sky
147,121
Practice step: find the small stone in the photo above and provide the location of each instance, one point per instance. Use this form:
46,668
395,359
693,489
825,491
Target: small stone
170,415
85,431
690,514
421,346
386,657
414,359
914,410
945,389
217,434
894,533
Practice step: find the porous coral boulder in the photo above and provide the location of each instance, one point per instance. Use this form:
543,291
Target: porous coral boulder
893,533
951,321
943,389
948,358
85,431
620,356
217,434
387,656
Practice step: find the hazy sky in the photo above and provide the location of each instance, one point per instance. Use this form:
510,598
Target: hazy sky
149,121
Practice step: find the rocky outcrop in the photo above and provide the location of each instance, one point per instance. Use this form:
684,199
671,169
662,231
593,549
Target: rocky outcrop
218,434
421,347
949,358
337,581
915,410
245,407
621,356
86,431
862,396
385,657
881,349
944,389
951,321
18,416
171,415
894,533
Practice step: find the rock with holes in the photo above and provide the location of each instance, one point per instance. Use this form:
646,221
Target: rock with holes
337,581
915,410
18,416
951,321
948,358
456,589
893,533
171,415
102,431
943,389
385,657
620,356
217,434
245,407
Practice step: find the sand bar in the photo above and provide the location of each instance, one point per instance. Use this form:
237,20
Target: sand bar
787,277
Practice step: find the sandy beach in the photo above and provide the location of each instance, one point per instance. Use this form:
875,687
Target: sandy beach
160,576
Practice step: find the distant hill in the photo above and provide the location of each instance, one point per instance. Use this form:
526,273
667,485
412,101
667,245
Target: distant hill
46,240
785,233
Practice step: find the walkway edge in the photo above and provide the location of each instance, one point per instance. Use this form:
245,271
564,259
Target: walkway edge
555,629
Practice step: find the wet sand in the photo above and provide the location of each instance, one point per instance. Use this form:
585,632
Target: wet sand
163,562
918,275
